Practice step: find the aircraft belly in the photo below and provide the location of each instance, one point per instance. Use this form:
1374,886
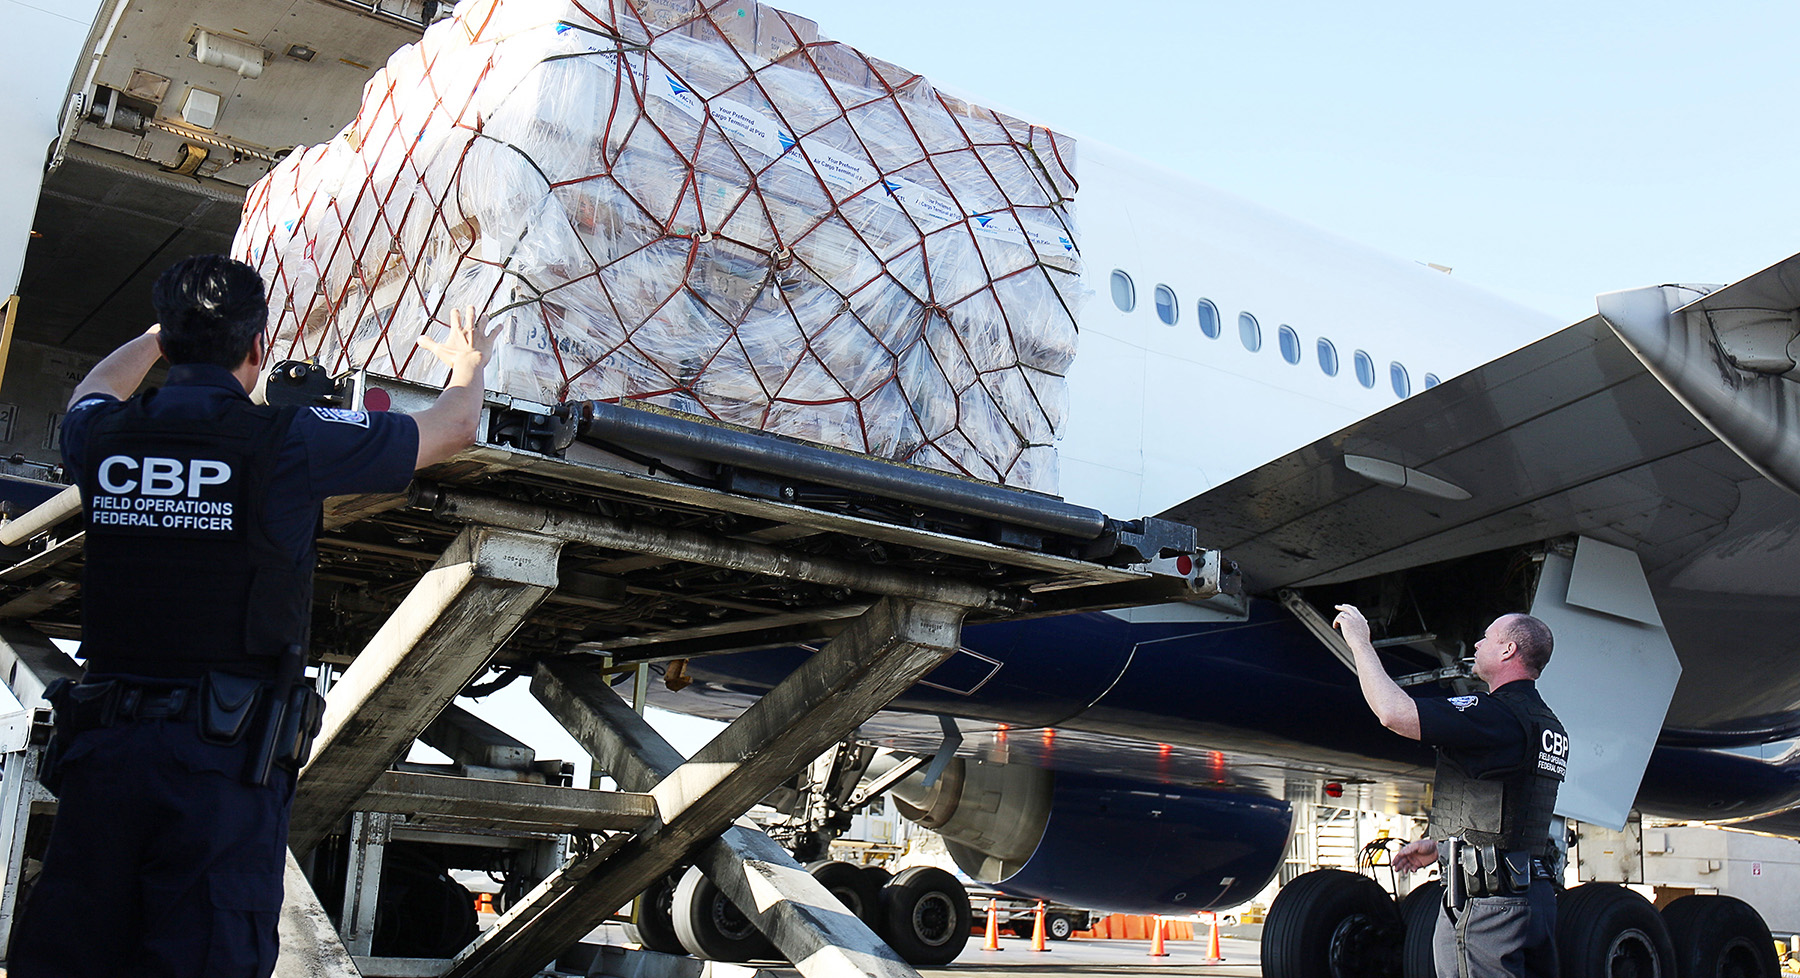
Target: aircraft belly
1737,654
1264,686
1263,690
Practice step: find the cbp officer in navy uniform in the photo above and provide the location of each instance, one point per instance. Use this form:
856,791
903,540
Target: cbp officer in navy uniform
167,857
1501,756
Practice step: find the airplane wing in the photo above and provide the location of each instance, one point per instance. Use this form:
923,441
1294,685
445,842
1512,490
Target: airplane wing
1676,446
1570,435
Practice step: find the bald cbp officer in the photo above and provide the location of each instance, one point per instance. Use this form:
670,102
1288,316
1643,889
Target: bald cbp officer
202,509
1501,755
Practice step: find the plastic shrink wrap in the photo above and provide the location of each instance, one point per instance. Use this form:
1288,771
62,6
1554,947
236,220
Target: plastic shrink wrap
704,208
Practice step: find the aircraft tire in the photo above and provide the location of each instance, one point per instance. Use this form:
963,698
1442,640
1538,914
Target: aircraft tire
710,926
925,916
1720,937
856,888
1603,929
879,875
656,920
421,911
1331,924
1419,913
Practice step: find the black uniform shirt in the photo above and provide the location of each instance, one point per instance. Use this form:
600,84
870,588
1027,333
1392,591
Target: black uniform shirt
1478,730
328,452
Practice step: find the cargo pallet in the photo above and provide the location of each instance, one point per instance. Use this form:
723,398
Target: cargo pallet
572,542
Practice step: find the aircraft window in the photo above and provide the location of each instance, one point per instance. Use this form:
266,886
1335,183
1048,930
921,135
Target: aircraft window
1290,344
1431,380
1365,369
1328,361
1208,315
1124,293
1402,383
1167,309
1249,332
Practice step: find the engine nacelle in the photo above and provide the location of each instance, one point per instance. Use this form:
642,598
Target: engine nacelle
1099,842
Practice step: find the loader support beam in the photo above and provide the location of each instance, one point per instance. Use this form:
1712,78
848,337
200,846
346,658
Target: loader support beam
441,637
309,944
479,801
877,657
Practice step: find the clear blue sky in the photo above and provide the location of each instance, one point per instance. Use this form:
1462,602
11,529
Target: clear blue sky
1545,151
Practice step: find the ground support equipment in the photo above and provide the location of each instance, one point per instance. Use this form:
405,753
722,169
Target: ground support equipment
576,541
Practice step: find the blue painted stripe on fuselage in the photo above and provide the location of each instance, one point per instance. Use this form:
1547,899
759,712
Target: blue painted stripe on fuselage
1263,685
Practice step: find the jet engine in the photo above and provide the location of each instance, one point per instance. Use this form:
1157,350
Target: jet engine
1102,842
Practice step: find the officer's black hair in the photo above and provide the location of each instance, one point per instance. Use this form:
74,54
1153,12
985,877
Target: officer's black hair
212,309
1533,638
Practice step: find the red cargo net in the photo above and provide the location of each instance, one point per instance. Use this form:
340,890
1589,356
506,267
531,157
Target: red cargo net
709,209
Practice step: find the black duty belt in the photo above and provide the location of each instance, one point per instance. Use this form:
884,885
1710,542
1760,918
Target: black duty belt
94,704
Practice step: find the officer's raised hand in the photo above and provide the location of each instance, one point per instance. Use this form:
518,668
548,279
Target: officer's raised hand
1392,706
1351,622
449,425
469,338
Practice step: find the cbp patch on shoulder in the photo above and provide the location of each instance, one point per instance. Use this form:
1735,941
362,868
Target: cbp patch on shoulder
341,416
1464,702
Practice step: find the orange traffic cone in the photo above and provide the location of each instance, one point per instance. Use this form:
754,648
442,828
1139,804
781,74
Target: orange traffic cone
1156,939
1037,929
484,903
993,929
1212,953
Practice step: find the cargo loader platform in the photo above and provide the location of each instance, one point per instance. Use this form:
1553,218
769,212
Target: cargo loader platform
576,541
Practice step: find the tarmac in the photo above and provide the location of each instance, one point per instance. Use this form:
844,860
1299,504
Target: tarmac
1078,956
1239,948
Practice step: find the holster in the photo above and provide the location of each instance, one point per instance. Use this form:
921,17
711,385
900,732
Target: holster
293,719
300,723
227,706
1456,892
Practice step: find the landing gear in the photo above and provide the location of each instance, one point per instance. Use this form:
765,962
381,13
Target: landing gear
1719,937
656,920
710,926
1419,913
1607,931
856,887
1332,924
925,916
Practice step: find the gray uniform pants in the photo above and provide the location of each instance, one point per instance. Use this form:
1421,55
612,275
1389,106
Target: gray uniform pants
1499,937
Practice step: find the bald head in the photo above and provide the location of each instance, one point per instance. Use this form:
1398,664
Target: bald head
1532,637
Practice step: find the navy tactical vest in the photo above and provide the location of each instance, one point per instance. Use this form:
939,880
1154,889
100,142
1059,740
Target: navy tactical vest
181,576
1506,807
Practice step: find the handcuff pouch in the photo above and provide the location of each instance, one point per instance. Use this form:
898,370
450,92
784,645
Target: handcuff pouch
227,707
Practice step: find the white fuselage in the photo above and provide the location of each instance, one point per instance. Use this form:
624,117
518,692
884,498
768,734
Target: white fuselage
1159,413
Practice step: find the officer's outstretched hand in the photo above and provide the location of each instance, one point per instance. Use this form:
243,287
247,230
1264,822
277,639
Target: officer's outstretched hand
468,345
1415,856
1351,622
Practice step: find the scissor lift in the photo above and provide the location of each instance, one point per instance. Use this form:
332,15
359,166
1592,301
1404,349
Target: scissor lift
576,540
